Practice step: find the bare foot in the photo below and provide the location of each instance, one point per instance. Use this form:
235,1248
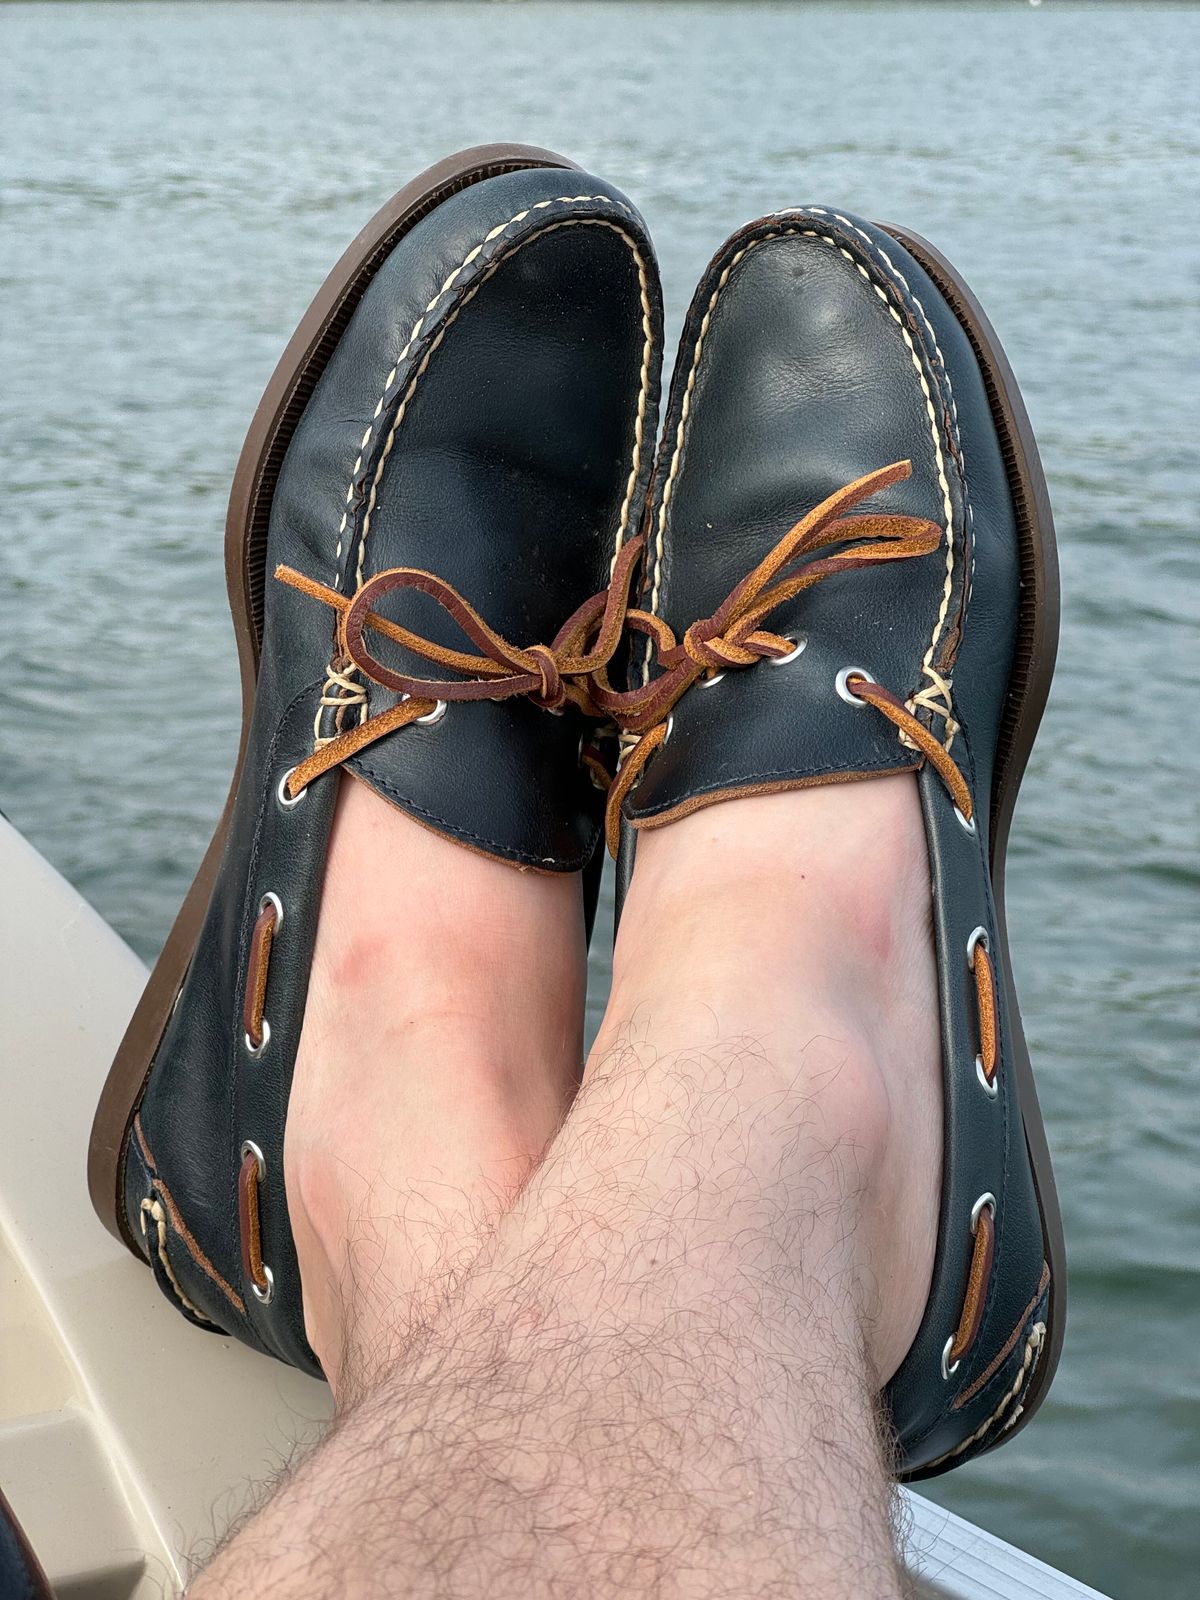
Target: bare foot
441,1049
800,922
660,1372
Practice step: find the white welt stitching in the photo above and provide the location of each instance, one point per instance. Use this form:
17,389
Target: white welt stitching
939,689
154,1208
640,420
881,254
639,430
415,330
947,502
677,454
1035,1341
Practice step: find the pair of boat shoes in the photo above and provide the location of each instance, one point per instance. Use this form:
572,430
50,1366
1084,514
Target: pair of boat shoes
459,569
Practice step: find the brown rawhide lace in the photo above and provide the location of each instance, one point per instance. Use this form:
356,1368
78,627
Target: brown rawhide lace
552,675
733,636
573,670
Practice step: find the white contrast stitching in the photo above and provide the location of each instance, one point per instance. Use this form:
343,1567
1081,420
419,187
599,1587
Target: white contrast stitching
938,683
415,331
1037,1338
882,255
154,1208
343,691
639,425
677,454
937,696
639,430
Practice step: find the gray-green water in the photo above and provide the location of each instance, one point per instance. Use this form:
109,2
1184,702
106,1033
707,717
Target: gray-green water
177,179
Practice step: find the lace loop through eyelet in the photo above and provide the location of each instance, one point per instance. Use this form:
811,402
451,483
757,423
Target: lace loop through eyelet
251,1176
842,685
799,645
289,802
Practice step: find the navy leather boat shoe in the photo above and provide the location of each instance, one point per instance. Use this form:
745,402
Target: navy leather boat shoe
850,570
430,539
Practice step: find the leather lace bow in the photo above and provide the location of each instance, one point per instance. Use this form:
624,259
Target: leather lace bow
552,675
573,668
734,636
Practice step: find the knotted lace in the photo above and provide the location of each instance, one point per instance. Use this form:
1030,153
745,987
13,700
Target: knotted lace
733,637
552,675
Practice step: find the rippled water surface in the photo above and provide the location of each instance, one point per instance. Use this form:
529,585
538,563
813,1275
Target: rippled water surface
176,180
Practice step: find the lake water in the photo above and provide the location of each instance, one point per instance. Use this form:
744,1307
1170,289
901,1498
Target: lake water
175,181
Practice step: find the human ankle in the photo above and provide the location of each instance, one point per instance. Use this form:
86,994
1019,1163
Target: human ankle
802,921
440,1049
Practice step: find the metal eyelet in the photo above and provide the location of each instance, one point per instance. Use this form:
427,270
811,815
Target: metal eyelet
249,1148
431,717
966,824
798,648
272,899
948,1368
670,729
264,1296
289,802
711,683
978,937
985,1201
991,1087
842,680
256,1050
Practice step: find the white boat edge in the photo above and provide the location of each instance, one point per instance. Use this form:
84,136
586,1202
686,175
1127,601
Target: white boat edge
128,1439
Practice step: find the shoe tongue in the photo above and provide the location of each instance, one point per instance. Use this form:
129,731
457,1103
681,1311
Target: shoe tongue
768,727
503,778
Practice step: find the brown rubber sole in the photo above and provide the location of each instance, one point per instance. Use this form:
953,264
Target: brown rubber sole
270,433
1028,688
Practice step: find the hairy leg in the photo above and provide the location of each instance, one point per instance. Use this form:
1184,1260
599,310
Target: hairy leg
658,1377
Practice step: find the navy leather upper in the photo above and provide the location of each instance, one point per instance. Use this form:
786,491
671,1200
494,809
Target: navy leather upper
488,415
816,351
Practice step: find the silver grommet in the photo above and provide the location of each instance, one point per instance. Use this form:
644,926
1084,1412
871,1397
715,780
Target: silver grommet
263,1296
288,801
967,825
272,899
841,684
798,648
984,1201
948,1367
670,729
256,1050
711,683
979,936
430,717
992,1088
249,1148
